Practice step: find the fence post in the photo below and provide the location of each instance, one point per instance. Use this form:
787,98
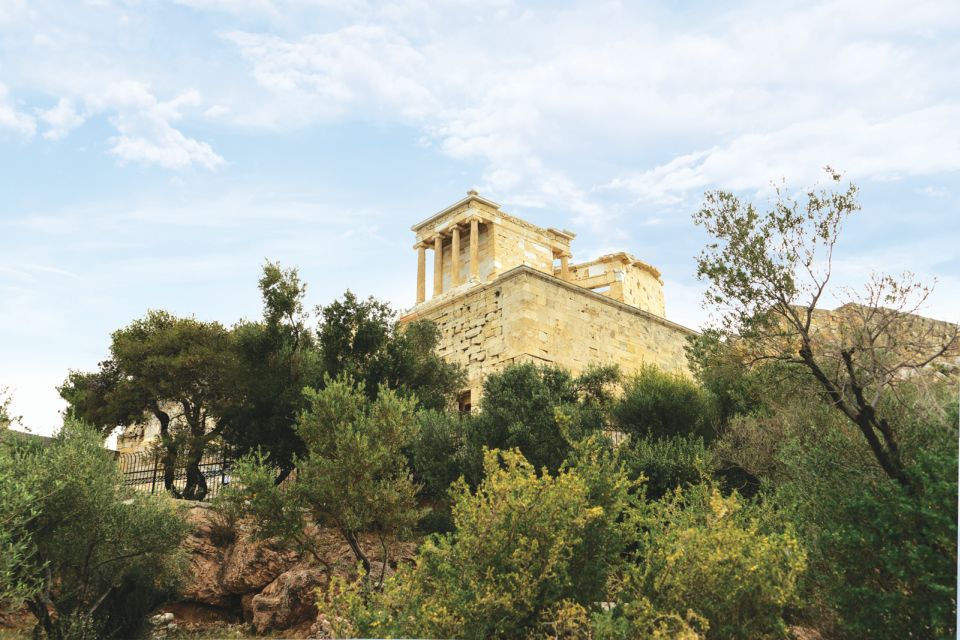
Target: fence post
153,482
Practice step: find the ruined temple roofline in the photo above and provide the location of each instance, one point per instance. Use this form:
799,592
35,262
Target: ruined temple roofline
475,198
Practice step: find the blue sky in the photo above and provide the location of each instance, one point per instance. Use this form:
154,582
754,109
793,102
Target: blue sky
154,154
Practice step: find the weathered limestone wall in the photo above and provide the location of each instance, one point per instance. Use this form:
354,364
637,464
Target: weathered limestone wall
526,315
644,290
518,246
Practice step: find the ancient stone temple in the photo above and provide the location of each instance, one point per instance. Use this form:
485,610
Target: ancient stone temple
505,291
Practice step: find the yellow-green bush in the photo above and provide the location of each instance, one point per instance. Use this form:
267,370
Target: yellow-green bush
505,570
708,553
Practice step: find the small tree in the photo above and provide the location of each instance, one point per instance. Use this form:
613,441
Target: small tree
362,339
353,476
276,358
658,404
541,410
769,272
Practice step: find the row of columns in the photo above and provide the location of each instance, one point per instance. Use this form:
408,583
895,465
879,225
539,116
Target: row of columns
438,260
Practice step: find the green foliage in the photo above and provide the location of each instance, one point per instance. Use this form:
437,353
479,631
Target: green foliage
541,411
362,339
18,508
353,476
883,557
440,453
638,618
659,404
162,364
101,556
6,418
721,370
513,560
276,359
701,551
669,462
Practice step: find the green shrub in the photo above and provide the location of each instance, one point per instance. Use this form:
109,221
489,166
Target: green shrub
658,404
883,557
18,508
511,562
541,411
438,453
669,462
102,555
517,411
711,554
354,476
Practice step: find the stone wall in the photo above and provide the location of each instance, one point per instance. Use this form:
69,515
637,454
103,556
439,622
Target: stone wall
527,315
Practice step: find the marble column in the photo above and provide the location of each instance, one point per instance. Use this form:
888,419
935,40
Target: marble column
455,257
474,248
421,273
564,267
437,264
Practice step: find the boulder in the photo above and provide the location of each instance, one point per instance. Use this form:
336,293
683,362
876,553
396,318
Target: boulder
250,565
289,600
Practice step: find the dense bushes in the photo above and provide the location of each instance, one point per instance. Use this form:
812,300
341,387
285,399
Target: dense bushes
660,405
541,411
95,556
537,555
734,565
505,570
883,557
670,462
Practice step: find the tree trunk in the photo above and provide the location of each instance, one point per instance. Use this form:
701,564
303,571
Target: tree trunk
169,459
38,606
351,538
196,488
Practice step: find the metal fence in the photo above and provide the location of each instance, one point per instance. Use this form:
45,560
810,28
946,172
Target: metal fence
143,471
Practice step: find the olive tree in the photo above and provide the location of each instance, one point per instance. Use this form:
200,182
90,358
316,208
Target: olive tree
180,370
769,273
353,477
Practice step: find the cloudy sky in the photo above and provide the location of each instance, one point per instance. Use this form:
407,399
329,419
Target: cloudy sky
153,154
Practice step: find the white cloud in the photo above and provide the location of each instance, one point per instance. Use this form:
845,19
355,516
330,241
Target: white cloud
743,95
144,126
12,119
924,141
61,119
551,101
231,6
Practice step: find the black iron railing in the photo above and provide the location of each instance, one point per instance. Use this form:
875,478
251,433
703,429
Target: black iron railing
144,471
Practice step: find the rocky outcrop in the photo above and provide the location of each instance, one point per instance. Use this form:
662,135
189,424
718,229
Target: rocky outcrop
206,561
251,565
273,588
221,571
